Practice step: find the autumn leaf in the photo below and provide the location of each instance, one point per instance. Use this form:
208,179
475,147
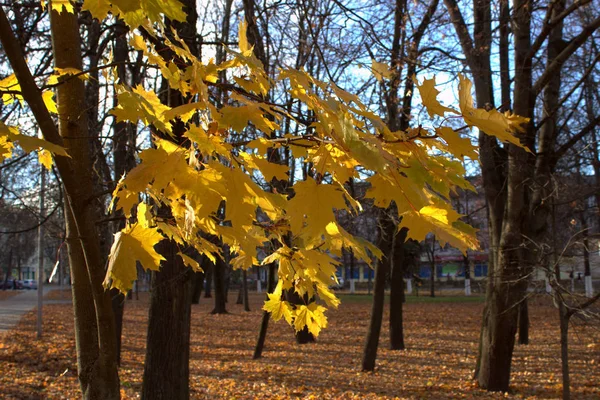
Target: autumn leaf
381,70
45,158
98,8
311,316
429,94
134,243
458,146
278,309
501,125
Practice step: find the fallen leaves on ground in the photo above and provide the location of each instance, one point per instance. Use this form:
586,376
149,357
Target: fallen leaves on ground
441,340
5,294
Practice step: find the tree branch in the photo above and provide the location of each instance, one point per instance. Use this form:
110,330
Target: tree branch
568,51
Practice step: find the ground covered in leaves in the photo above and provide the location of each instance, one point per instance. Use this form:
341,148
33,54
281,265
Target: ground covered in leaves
5,294
441,337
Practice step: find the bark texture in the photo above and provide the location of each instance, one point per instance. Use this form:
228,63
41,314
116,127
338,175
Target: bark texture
166,369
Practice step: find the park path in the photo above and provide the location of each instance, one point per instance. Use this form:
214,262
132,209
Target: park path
13,308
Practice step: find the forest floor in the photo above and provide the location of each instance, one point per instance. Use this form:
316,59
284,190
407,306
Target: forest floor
441,337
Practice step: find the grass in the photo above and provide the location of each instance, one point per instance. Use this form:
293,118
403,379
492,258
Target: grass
422,298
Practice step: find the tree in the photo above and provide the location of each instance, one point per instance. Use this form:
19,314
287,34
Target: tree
95,335
516,181
166,367
194,169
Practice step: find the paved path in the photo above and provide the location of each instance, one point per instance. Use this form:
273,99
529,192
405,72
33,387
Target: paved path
13,308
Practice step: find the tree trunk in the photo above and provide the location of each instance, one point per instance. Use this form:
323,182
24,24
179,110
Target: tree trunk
564,347
166,369
118,307
397,292
264,325
524,322
208,279
198,282
124,161
219,282
387,229
97,357
245,290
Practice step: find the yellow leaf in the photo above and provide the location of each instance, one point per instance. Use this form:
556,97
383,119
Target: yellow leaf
429,98
98,8
311,316
458,146
381,70
10,83
60,5
502,126
190,262
134,243
60,73
49,101
5,148
243,39
140,104
311,209
45,158
328,296
144,215
278,309
30,143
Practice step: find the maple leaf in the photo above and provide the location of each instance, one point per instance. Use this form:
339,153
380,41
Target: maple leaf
311,316
98,8
30,143
429,94
140,104
243,39
190,262
311,209
6,148
10,84
134,243
47,96
458,146
278,309
60,73
45,158
381,70
502,126
59,5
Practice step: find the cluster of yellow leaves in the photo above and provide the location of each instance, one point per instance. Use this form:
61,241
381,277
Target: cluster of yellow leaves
134,12
10,89
210,186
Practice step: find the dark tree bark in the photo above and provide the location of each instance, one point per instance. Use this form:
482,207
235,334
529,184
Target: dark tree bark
245,291
264,325
387,229
208,279
524,322
198,283
219,283
124,160
166,369
98,364
397,292
302,336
